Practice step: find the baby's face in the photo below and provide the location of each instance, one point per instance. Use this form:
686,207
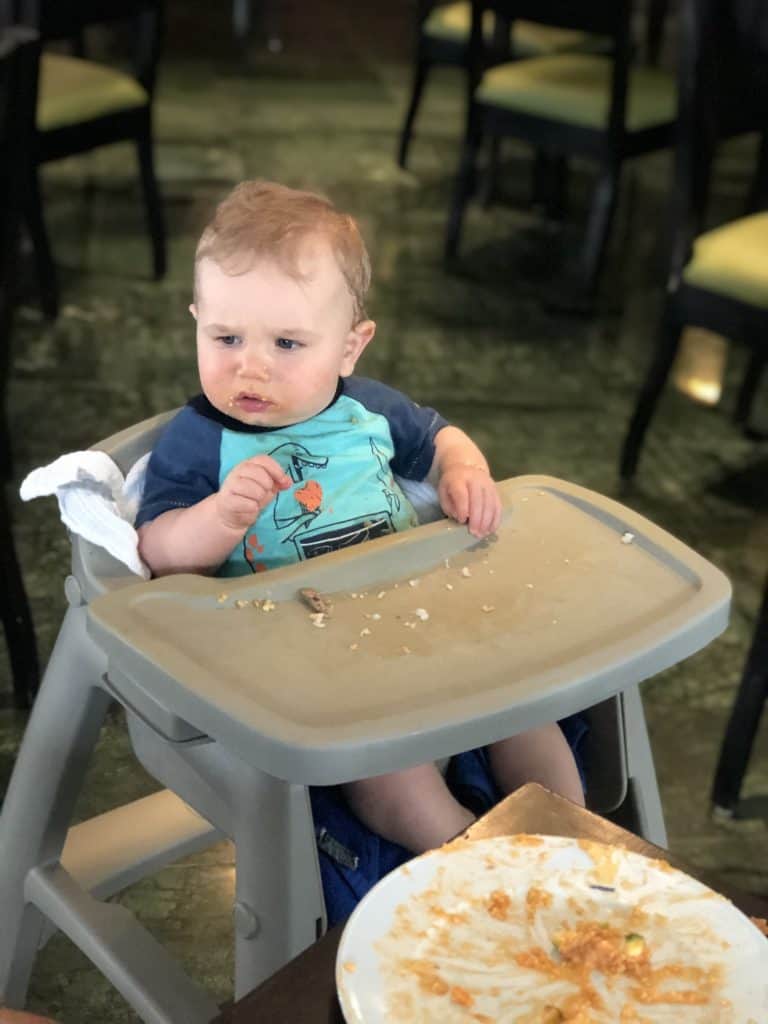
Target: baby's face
270,348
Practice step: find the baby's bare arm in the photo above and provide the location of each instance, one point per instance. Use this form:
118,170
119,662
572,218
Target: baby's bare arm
199,538
187,540
413,807
464,484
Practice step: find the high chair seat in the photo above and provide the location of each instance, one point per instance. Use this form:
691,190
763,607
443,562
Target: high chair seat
576,601
730,260
73,90
576,88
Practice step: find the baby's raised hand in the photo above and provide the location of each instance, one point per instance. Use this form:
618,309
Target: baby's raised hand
248,489
469,495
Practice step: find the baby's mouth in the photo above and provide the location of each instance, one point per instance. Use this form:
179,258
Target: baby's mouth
248,401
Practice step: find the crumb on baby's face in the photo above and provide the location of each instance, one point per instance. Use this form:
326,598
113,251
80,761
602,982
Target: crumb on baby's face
271,347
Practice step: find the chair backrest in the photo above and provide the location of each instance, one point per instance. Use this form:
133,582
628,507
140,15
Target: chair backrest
68,19
610,19
19,55
601,17
723,91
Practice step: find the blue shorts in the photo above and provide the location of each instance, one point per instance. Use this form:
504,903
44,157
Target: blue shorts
353,859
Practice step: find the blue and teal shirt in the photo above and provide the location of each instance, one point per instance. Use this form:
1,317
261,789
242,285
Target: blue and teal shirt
342,464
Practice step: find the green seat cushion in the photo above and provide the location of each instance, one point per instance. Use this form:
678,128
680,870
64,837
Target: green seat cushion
733,260
576,88
73,90
452,23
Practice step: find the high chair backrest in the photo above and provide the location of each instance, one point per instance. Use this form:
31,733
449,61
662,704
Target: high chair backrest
95,570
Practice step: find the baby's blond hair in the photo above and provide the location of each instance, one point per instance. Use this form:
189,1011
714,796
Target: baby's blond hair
261,219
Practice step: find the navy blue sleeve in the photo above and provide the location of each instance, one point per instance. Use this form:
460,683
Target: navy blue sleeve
184,466
413,426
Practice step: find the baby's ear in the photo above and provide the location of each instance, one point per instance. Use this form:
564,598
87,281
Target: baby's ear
357,339
193,310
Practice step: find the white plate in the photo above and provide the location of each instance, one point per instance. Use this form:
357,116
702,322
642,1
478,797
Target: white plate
452,937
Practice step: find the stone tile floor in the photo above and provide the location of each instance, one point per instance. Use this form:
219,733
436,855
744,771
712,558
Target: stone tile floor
541,391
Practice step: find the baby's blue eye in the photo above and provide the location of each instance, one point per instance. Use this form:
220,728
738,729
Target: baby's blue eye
287,344
228,339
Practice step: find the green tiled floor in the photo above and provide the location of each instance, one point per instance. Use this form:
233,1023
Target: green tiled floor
541,391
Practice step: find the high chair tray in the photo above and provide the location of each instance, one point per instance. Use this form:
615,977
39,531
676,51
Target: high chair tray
435,643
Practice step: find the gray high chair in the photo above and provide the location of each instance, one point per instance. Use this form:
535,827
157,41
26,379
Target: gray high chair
576,602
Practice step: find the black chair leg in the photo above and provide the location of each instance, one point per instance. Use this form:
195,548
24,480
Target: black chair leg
419,81
465,183
16,616
599,226
38,233
152,201
657,15
550,183
666,350
242,17
748,390
745,718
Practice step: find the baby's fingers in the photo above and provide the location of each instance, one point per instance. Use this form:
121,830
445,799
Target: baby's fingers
269,466
485,509
477,513
455,501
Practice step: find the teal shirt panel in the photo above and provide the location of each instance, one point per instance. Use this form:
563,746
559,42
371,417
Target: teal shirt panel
342,487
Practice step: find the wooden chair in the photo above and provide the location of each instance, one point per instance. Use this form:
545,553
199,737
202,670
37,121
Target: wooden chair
442,37
82,104
573,104
19,53
718,279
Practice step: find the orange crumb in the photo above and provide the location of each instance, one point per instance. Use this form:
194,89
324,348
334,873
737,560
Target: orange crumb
310,496
460,996
535,899
499,904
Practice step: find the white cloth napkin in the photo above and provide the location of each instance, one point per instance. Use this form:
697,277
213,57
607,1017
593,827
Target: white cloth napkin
99,504
95,500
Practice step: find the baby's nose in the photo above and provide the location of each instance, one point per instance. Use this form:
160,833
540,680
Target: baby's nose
254,366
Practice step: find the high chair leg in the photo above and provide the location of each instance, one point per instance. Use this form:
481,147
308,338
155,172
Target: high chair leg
643,795
279,908
41,796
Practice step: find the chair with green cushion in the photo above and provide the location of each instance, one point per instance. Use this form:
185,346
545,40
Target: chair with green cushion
718,278
82,104
591,105
442,38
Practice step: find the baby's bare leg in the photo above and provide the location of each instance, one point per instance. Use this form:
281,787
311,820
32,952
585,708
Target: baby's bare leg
538,755
413,807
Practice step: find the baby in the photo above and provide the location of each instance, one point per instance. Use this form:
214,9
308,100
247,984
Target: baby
285,455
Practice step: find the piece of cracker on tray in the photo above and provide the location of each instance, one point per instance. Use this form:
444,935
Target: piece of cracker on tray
314,601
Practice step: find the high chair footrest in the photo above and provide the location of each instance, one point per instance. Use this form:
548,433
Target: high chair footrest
111,851
109,935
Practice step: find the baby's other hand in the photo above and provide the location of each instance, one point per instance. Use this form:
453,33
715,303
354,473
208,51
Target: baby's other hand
469,495
248,489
